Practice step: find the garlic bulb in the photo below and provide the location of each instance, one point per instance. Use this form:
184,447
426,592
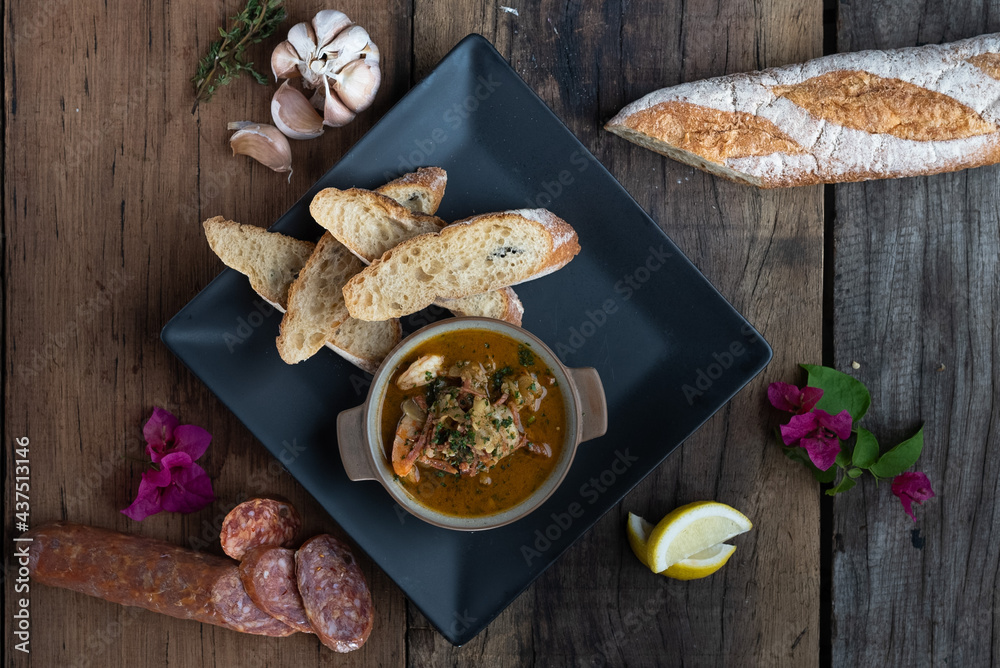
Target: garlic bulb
335,58
264,143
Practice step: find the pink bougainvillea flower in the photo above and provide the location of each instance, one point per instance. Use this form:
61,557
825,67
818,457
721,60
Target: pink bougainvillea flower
909,487
175,483
164,435
788,397
819,433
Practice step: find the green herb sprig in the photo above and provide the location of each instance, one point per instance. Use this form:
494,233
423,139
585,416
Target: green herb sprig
225,58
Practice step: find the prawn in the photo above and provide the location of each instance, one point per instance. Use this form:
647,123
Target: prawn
424,370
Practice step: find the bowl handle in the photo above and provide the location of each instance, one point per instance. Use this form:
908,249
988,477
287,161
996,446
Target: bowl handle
593,403
353,445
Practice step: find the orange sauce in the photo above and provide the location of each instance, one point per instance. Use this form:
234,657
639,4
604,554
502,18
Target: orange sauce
516,476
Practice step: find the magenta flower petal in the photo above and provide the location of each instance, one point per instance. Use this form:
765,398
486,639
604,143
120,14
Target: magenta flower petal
157,478
175,460
159,429
191,439
788,397
810,397
189,490
147,501
839,424
912,486
822,451
800,426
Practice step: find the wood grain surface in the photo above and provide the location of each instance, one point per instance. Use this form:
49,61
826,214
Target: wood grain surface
107,175
916,302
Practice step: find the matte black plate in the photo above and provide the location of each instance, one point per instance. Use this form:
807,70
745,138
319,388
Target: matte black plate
670,350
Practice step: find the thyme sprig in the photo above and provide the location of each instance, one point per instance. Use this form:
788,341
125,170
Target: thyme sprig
225,58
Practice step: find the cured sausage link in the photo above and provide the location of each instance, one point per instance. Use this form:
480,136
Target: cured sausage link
144,572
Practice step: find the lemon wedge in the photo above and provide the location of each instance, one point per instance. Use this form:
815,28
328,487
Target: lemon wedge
699,565
691,530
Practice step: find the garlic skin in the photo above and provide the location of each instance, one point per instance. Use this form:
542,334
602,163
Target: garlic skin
335,58
264,143
294,115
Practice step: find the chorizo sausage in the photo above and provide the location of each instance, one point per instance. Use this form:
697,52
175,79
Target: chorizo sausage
268,575
259,522
144,572
334,592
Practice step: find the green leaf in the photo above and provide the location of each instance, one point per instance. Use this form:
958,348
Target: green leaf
843,459
900,458
840,391
866,449
854,473
845,484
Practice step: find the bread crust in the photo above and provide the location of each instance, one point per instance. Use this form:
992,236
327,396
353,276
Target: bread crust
850,117
420,191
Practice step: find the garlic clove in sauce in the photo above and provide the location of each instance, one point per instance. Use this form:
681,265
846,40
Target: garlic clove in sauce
264,143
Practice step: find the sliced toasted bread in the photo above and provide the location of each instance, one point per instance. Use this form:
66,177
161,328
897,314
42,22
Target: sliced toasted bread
315,301
420,191
362,225
270,260
365,344
366,222
473,256
502,304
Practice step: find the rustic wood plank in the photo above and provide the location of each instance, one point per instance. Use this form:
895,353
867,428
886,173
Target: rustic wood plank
110,175
598,605
916,294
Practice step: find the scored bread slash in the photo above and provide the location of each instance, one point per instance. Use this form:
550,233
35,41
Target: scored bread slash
362,221
473,256
334,592
420,191
259,522
268,575
315,301
270,260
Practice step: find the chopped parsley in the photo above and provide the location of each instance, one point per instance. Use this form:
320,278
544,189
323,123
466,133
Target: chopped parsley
499,375
531,419
524,355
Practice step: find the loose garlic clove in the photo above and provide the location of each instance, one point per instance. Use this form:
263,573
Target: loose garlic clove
264,143
335,114
285,62
356,84
327,23
294,115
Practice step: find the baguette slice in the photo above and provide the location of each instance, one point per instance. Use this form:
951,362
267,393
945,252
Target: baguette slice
420,191
270,260
362,221
366,222
473,256
315,301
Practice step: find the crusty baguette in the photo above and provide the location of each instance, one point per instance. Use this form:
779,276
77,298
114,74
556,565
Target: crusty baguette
367,226
473,256
367,222
270,260
420,191
845,117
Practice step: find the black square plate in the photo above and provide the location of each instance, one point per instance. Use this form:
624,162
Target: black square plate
670,350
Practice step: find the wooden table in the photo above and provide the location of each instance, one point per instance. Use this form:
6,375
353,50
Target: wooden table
108,174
